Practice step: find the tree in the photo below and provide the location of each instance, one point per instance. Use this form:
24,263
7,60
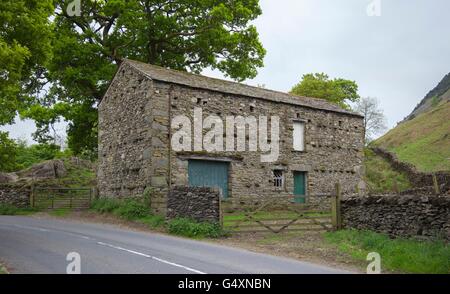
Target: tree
319,85
7,153
25,47
179,34
374,119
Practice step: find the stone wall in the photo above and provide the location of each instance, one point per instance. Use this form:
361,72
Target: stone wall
17,196
399,215
199,203
417,178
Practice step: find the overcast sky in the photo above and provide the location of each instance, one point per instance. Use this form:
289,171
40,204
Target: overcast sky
397,57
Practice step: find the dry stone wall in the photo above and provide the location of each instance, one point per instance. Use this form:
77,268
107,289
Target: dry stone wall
17,196
417,178
399,215
199,203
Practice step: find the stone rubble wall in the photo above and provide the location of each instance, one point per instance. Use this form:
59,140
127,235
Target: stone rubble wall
199,203
135,153
399,215
418,179
17,196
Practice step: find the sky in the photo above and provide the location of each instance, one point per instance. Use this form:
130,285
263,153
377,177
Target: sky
395,50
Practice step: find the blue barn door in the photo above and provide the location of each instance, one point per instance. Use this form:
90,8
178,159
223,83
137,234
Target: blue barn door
207,173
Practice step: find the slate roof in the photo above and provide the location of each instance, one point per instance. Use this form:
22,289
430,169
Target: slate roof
202,82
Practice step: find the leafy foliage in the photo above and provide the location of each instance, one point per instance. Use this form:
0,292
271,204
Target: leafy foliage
8,153
182,34
25,47
319,85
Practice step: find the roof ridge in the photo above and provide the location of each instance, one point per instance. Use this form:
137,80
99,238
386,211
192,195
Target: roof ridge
182,77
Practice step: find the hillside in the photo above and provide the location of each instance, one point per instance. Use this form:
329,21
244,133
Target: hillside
433,98
424,138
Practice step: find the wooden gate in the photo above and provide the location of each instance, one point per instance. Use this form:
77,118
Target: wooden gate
294,216
61,198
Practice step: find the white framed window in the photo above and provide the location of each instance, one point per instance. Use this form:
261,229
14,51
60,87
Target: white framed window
278,178
299,136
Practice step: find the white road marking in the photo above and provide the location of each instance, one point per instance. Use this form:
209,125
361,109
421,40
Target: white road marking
152,257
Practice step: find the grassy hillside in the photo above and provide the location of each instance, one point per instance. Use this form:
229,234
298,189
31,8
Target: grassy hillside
380,177
424,140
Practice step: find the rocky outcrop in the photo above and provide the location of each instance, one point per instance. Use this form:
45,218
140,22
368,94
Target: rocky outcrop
399,215
45,170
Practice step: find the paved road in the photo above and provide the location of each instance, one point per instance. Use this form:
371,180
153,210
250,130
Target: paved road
32,245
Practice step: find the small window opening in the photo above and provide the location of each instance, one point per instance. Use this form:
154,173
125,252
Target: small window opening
278,178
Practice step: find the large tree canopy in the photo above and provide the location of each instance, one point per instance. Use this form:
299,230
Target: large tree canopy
187,35
25,47
319,85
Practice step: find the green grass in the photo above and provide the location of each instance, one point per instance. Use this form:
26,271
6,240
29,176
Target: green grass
191,228
380,176
399,255
60,212
3,270
129,209
139,211
423,141
7,209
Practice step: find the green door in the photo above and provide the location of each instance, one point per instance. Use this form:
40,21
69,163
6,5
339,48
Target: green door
207,173
299,187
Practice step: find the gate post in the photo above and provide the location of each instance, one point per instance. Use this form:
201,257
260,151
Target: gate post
436,185
32,195
336,218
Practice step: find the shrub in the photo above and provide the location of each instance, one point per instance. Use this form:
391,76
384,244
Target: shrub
191,228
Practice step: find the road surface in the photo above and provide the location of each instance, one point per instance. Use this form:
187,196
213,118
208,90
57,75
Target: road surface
35,245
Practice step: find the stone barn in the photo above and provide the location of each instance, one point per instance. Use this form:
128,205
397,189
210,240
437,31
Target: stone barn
162,128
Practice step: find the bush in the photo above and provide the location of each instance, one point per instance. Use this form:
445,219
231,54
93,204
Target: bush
193,229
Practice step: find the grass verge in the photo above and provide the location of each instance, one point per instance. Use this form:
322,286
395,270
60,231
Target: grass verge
3,270
137,210
7,209
404,255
